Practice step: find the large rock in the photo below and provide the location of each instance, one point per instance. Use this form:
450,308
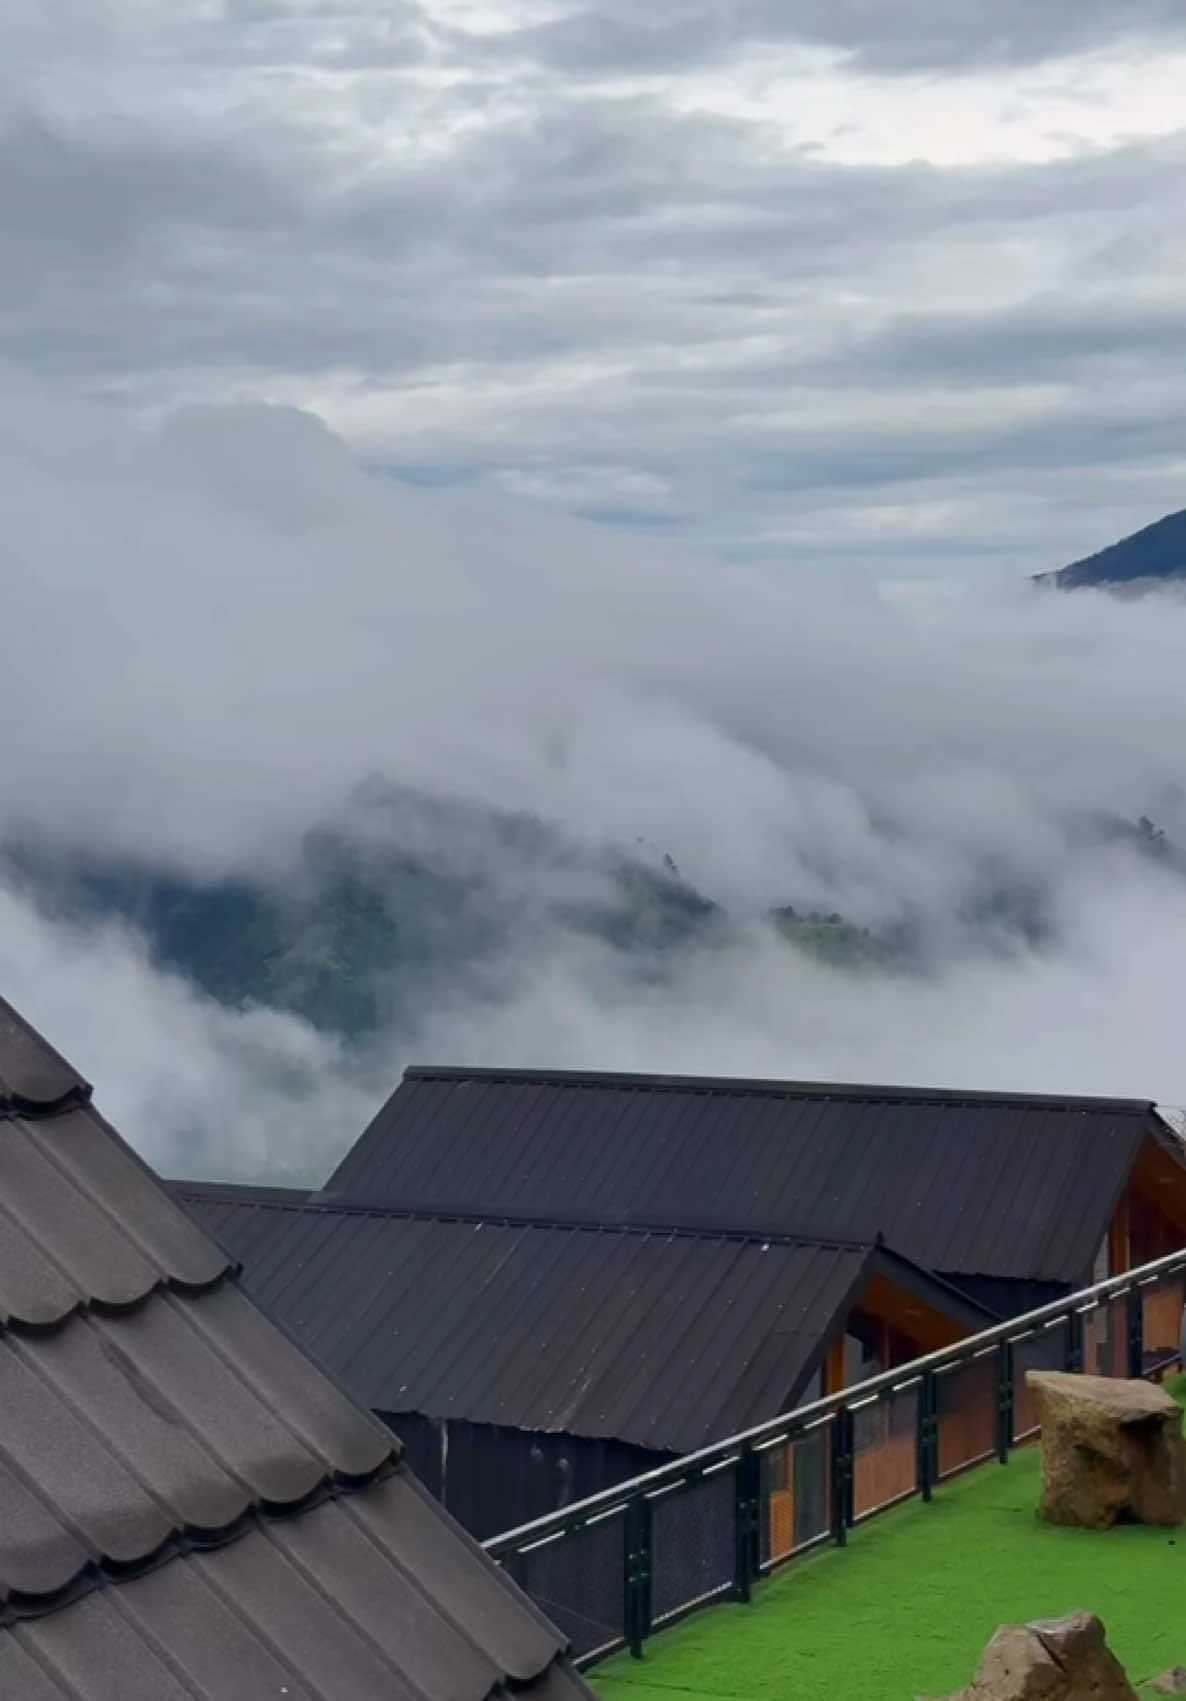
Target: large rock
1112,1451
1053,1659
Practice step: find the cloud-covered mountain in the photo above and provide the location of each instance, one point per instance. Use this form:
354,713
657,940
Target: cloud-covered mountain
311,774
1155,555
410,899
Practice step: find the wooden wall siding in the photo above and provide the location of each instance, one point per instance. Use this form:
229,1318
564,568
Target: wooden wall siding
967,1414
907,1316
799,1505
1025,1410
834,1367
1119,1247
1163,1318
884,1472
782,1521
1151,1217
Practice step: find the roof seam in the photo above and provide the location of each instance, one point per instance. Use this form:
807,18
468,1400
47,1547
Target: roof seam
210,1579
432,1601
38,1657
308,1576
175,1669
428,1213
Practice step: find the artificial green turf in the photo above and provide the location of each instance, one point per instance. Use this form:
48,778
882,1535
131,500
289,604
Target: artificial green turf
906,1608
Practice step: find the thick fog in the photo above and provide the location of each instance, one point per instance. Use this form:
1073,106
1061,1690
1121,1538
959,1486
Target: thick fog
216,631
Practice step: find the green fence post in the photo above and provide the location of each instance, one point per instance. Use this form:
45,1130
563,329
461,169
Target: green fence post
747,1509
1004,1400
1075,1342
636,1610
1136,1333
928,1433
841,1474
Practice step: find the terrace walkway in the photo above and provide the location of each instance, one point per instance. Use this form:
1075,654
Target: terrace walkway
906,1608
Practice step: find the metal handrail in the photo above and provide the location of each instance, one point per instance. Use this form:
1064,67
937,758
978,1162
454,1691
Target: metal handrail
691,1467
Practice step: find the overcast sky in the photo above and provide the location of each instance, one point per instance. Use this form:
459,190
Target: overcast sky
804,300
896,288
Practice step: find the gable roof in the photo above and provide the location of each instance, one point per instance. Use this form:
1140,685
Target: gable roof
1018,1186
664,1339
189,1509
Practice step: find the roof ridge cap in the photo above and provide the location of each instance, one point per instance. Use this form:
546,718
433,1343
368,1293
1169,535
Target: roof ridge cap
764,1087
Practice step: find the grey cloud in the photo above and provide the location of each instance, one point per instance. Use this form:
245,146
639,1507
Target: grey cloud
920,35
552,279
1045,338
90,196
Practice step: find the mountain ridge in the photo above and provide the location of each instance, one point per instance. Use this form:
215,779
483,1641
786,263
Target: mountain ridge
1155,554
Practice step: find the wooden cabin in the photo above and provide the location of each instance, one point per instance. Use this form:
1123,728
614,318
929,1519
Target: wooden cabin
548,1281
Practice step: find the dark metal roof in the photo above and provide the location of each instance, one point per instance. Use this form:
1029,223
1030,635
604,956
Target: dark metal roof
664,1339
189,1508
968,1183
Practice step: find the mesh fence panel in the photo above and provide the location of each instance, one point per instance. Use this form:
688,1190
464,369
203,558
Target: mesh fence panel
693,1552
578,1579
1046,1350
796,1493
885,1447
1161,1305
1105,1339
967,1413
578,1582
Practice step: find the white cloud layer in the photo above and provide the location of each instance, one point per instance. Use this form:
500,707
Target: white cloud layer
217,629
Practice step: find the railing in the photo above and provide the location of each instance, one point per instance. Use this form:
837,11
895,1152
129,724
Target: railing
615,1567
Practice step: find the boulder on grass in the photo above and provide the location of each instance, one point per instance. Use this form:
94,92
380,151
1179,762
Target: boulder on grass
1053,1659
1112,1451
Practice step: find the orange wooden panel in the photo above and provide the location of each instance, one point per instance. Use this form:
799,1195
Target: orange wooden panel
782,1523
883,1472
1118,1240
1163,1318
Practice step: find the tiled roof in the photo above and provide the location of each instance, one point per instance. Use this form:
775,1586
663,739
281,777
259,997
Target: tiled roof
662,1339
188,1507
990,1184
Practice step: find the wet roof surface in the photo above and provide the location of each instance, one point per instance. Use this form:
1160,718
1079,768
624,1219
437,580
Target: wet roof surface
188,1506
986,1184
661,1338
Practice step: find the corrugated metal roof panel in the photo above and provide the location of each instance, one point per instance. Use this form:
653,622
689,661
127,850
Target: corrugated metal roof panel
663,1339
1004,1185
188,1506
